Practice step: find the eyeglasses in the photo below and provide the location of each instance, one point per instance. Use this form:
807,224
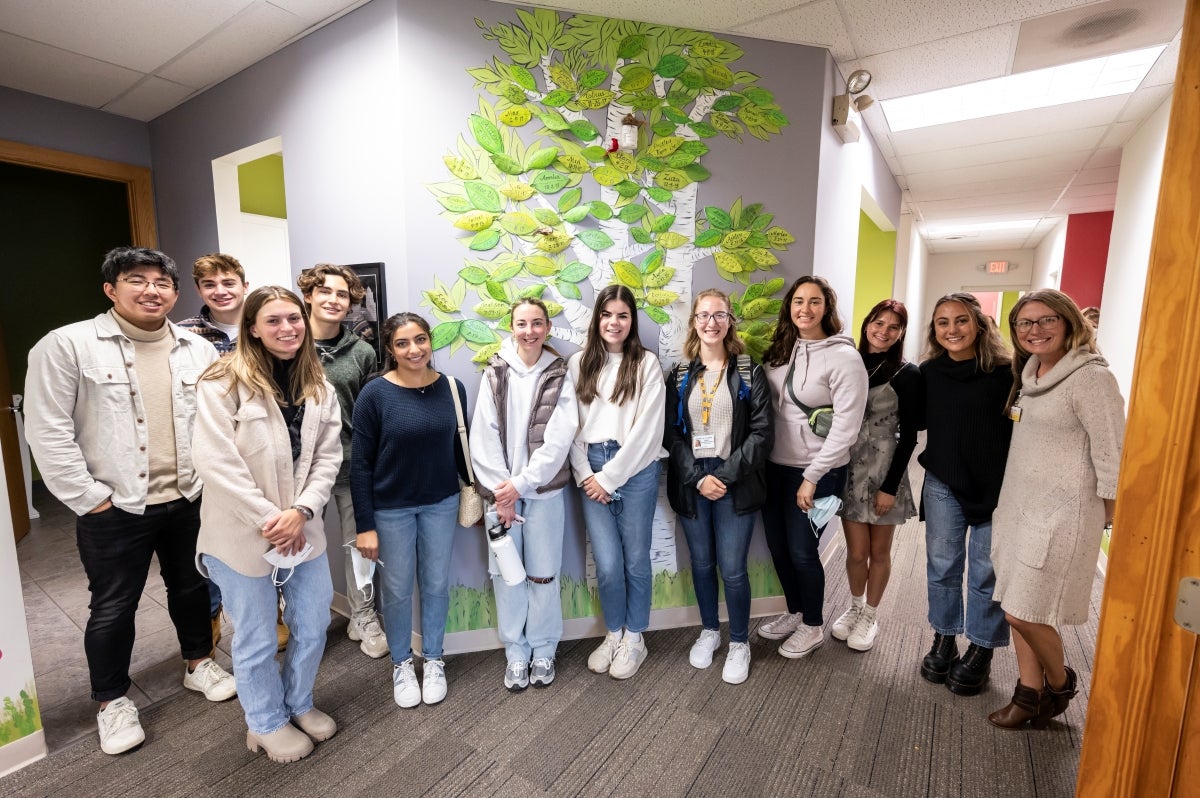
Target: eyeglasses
720,317
1045,322
140,283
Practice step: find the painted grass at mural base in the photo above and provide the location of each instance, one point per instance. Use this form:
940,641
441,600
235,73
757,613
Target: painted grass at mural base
473,608
20,716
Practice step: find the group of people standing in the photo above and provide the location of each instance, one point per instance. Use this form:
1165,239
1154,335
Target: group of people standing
130,415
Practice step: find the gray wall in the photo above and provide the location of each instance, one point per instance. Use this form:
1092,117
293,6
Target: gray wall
43,122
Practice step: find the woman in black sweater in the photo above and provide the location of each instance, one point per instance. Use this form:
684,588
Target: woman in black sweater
967,381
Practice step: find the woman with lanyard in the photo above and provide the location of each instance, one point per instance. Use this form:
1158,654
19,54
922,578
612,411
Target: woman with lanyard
619,386
405,466
878,495
813,371
268,425
718,434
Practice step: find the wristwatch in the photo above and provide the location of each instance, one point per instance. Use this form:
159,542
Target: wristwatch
307,513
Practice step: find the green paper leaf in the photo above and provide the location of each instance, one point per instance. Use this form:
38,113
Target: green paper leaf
485,240
758,240
496,291
662,146
485,354
728,262
592,78
735,239
507,164
595,240
678,160
696,173
561,76
663,223
542,158
601,210
636,78
632,213
703,129
552,307
726,125
646,101
534,291
622,161
659,297
730,102
594,154
483,196
652,163
483,75
718,218
553,120
761,221
518,223
631,46
455,203
670,65
540,265
672,179
694,148
569,199
584,130
718,76
640,234
514,94
671,240
576,214
558,98
575,271
764,258
607,175
691,79
709,238
486,134
459,168
506,272
658,315
547,217
549,182
627,188
444,334
473,275
773,285
522,77
575,164
593,99
779,237
515,189
568,290
663,128
658,194
627,274
477,332
759,96
673,114
659,278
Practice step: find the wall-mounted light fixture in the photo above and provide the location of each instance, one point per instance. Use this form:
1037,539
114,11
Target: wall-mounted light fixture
848,106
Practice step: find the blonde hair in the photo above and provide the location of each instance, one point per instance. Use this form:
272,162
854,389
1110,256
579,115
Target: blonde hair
733,344
250,363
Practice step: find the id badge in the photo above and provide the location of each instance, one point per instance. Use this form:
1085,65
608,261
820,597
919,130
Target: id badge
702,442
1014,413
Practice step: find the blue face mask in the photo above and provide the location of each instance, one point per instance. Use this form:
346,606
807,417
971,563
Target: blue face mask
823,511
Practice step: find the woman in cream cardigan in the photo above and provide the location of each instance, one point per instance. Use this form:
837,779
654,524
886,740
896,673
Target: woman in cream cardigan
267,448
1059,489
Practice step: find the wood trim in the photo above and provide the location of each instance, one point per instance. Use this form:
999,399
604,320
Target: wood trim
1142,693
139,187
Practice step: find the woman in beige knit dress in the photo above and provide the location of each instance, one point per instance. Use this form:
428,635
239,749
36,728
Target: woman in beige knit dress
1059,489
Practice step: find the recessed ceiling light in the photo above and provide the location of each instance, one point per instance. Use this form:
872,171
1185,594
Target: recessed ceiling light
954,230
1085,80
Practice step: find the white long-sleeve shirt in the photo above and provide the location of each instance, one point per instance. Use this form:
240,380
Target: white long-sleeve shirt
637,425
528,472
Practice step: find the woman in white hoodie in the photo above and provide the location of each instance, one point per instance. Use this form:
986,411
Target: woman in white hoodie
812,370
524,423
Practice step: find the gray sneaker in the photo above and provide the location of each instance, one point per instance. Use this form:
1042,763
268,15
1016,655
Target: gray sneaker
516,676
543,672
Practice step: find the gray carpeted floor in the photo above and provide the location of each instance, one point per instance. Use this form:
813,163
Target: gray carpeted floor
836,724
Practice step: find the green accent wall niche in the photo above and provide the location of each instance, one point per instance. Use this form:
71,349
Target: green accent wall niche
260,187
876,269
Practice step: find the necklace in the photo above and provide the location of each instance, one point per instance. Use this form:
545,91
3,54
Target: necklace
393,378
707,396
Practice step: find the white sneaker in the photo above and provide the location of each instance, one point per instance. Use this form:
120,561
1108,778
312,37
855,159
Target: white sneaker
863,636
433,681
629,658
405,689
542,672
601,659
737,664
212,680
366,629
516,676
701,655
781,626
803,642
120,729
844,625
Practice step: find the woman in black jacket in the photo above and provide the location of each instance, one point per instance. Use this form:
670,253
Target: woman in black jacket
718,433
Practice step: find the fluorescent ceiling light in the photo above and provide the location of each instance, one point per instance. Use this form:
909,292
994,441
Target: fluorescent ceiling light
1086,80
942,229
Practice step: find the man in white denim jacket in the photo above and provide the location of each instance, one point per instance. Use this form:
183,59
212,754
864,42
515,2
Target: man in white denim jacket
110,408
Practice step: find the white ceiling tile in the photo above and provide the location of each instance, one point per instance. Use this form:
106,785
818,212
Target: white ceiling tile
41,69
1166,67
314,11
1003,151
1057,163
131,33
1118,134
1103,174
1096,30
1088,204
1144,101
817,23
252,36
1085,191
149,99
968,58
1109,156
936,185
701,14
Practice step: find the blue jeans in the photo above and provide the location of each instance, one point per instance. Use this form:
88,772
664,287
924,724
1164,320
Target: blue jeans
794,545
718,536
620,536
415,545
270,698
529,615
946,551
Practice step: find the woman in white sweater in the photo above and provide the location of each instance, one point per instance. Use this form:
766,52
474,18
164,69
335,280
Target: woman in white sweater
1059,488
525,420
268,424
615,459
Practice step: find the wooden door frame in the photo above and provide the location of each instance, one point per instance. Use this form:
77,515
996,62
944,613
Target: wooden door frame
138,186
1143,712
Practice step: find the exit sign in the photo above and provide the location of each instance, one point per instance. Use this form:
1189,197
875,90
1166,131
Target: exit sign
997,266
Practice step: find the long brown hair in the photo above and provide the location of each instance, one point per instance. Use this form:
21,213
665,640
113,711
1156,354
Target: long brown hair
1078,334
537,303
990,352
894,356
388,332
733,344
250,363
595,354
786,333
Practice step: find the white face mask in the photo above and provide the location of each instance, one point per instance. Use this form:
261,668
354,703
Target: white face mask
364,572
286,562
823,511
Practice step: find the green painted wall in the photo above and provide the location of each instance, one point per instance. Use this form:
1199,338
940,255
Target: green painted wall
876,269
260,187
1007,300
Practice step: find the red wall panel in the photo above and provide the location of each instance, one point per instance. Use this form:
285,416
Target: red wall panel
1085,257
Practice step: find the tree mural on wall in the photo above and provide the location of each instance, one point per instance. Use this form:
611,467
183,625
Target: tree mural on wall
546,206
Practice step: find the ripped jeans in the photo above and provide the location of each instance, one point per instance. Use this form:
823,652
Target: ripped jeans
529,615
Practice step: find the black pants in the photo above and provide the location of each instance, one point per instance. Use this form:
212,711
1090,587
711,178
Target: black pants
116,547
793,543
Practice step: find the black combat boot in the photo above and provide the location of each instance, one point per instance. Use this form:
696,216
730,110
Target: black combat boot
941,656
970,673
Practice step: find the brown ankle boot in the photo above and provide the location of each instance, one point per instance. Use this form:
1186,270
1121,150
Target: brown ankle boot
1061,697
1021,710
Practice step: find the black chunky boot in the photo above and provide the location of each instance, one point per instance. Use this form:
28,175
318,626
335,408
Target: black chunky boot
941,656
970,673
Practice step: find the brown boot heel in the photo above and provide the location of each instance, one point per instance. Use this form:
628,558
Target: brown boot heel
1024,708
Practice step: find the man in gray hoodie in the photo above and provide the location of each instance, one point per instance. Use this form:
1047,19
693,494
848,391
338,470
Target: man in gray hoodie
330,291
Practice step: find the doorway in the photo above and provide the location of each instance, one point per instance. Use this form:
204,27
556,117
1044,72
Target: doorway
251,207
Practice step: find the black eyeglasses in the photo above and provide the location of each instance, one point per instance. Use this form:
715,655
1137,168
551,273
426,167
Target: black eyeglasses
140,283
720,317
1045,322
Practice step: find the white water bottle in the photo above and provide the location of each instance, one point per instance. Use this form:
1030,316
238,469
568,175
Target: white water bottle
512,570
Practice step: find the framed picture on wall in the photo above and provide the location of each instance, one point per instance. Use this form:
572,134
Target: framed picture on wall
365,319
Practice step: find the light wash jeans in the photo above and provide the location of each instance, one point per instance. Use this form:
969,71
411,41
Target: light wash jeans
946,551
360,605
271,697
620,535
718,536
529,615
415,545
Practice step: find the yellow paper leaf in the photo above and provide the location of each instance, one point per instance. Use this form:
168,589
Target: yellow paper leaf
728,262
627,274
475,221
516,190
516,116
